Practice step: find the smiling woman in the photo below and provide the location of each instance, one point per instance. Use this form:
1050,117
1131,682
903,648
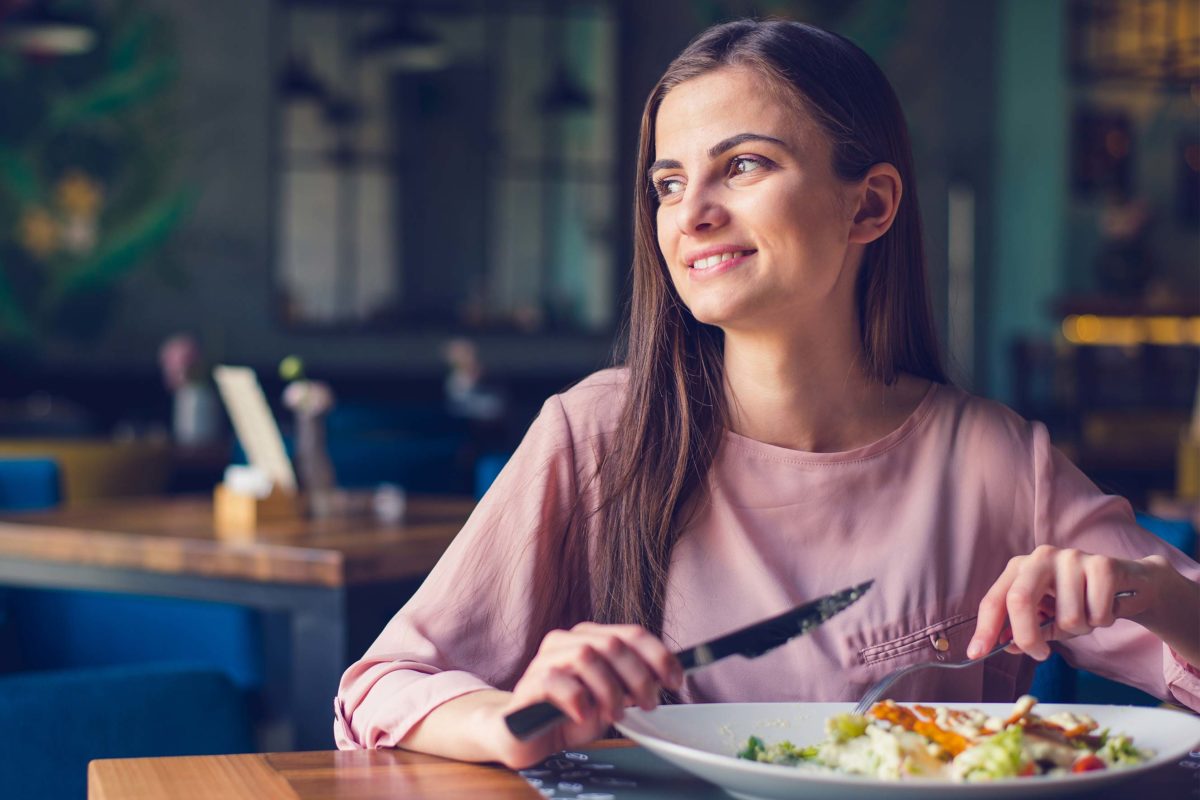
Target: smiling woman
779,428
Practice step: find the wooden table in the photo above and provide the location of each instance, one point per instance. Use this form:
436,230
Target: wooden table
391,774
375,774
336,580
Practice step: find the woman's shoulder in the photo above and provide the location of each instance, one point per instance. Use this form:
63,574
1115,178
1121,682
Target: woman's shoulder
605,381
976,420
593,405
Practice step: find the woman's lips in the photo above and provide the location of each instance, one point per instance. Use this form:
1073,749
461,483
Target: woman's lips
709,273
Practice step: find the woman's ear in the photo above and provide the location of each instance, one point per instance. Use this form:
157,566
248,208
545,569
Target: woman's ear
876,201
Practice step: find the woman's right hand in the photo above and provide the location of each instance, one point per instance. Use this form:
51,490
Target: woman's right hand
592,673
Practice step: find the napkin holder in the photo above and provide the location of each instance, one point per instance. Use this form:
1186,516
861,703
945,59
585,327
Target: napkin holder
239,515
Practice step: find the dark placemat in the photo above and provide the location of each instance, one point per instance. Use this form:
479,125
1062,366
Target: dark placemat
617,773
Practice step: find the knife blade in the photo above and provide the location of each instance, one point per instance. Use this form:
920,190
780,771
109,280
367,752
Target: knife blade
751,641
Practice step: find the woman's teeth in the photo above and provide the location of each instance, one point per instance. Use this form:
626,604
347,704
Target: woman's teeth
712,261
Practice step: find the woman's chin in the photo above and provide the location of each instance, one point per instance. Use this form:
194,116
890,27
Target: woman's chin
713,310
723,315
717,320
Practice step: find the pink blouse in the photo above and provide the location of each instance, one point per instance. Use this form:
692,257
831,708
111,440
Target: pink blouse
932,512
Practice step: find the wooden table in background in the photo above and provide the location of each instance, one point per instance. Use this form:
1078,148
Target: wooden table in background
337,580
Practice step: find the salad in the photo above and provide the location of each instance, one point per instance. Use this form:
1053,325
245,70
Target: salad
894,742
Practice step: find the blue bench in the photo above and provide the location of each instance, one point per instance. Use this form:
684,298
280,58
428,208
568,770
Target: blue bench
131,690
45,629
56,722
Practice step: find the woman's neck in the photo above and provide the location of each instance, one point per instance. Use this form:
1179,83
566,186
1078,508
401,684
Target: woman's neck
812,392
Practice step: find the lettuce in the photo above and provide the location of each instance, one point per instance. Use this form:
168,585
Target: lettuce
999,756
1119,750
844,727
753,749
781,753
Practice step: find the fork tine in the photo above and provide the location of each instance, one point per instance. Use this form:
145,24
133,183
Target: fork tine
865,701
871,699
874,694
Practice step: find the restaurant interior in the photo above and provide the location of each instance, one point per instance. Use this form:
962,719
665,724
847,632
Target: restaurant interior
349,247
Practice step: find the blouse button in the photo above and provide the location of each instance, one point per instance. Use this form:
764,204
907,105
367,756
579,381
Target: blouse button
941,643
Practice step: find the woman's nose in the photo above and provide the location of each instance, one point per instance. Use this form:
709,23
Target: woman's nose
701,210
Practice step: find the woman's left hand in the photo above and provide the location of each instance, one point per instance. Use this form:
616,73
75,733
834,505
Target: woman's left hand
1075,587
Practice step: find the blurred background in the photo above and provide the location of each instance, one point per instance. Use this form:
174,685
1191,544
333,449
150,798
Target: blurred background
362,183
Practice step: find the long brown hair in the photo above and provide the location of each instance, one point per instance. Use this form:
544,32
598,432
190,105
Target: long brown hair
675,411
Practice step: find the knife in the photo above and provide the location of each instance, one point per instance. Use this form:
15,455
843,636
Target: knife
751,641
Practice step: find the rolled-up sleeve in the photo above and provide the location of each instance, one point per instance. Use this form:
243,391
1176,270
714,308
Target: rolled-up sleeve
514,572
1070,511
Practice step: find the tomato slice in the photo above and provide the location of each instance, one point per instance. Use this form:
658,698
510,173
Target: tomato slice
1088,763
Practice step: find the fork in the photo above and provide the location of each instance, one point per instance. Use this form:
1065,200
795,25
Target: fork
876,692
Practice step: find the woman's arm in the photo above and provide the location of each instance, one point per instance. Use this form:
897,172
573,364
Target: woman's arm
592,672
489,616
1085,547
461,728
1175,618
505,580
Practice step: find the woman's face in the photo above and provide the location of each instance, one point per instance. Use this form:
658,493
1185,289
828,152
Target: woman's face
752,221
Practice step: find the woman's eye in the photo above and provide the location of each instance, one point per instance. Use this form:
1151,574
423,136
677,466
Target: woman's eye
668,186
740,165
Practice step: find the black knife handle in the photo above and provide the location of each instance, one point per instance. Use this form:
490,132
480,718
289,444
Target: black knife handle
526,723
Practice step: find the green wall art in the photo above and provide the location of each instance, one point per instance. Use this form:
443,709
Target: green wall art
89,186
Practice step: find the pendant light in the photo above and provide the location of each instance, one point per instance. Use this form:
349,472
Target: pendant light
38,28
299,82
562,94
405,45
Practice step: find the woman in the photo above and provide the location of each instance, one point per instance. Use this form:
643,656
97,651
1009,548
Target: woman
781,429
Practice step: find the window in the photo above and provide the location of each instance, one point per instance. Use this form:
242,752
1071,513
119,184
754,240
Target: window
446,166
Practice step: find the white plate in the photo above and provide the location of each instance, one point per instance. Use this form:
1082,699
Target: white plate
704,738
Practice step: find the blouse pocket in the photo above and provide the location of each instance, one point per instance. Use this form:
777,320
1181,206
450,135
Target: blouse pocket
945,640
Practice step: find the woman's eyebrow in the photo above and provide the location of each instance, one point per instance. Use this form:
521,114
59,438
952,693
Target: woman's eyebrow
741,138
718,148
663,163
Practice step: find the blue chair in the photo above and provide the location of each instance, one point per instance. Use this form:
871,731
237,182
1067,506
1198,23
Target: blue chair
487,469
417,447
56,722
65,629
28,484
1056,681
426,464
1178,533
42,629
